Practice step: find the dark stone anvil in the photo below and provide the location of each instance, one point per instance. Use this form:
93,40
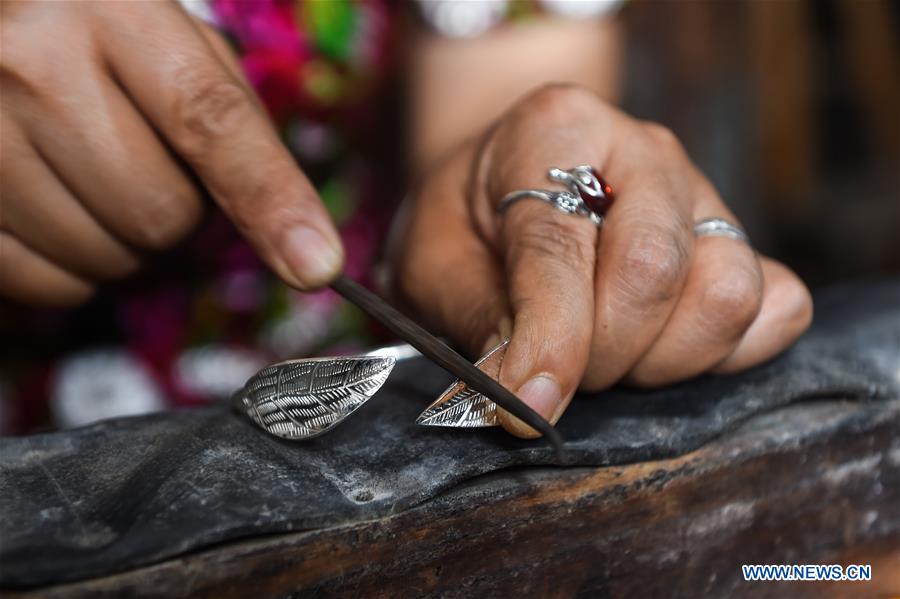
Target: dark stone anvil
154,503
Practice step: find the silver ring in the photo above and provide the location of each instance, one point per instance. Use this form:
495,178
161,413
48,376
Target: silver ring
564,201
581,183
718,227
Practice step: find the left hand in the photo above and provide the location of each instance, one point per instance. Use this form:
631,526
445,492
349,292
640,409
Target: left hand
640,300
111,112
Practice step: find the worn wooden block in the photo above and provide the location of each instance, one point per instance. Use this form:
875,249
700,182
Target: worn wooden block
660,493
814,483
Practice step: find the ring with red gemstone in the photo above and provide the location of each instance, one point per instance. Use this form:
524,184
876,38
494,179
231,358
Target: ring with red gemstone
587,195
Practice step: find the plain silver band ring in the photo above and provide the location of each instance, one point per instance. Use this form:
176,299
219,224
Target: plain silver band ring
718,227
564,201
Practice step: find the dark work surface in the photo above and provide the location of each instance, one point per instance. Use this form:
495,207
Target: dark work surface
133,491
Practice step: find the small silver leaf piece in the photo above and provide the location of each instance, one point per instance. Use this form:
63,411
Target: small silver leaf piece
462,407
301,399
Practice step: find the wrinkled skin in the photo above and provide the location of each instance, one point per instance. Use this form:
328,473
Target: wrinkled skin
103,142
106,106
640,300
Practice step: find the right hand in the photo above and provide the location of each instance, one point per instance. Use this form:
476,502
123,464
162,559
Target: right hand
105,106
641,300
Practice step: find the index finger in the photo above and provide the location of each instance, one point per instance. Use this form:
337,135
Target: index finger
209,118
549,256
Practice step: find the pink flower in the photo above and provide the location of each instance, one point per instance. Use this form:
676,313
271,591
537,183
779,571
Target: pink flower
273,49
261,24
275,76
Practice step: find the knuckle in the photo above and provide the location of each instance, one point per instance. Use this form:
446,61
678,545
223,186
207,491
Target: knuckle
653,265
210,108
167,219
732,300
550,240
661,136
564,101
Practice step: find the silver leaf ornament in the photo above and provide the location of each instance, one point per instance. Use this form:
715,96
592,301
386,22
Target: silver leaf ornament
301,399
462,407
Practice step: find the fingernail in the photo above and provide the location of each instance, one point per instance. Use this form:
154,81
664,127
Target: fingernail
543,394
311,258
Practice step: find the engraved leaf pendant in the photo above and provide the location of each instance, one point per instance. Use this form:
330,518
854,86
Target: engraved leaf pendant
301,399
462,407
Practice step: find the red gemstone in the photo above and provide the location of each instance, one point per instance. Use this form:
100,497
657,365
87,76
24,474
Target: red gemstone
601,203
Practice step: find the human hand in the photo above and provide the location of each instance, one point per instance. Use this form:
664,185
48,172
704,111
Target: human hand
640,300
106,106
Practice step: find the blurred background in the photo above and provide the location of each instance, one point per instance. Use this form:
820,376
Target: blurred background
792,108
